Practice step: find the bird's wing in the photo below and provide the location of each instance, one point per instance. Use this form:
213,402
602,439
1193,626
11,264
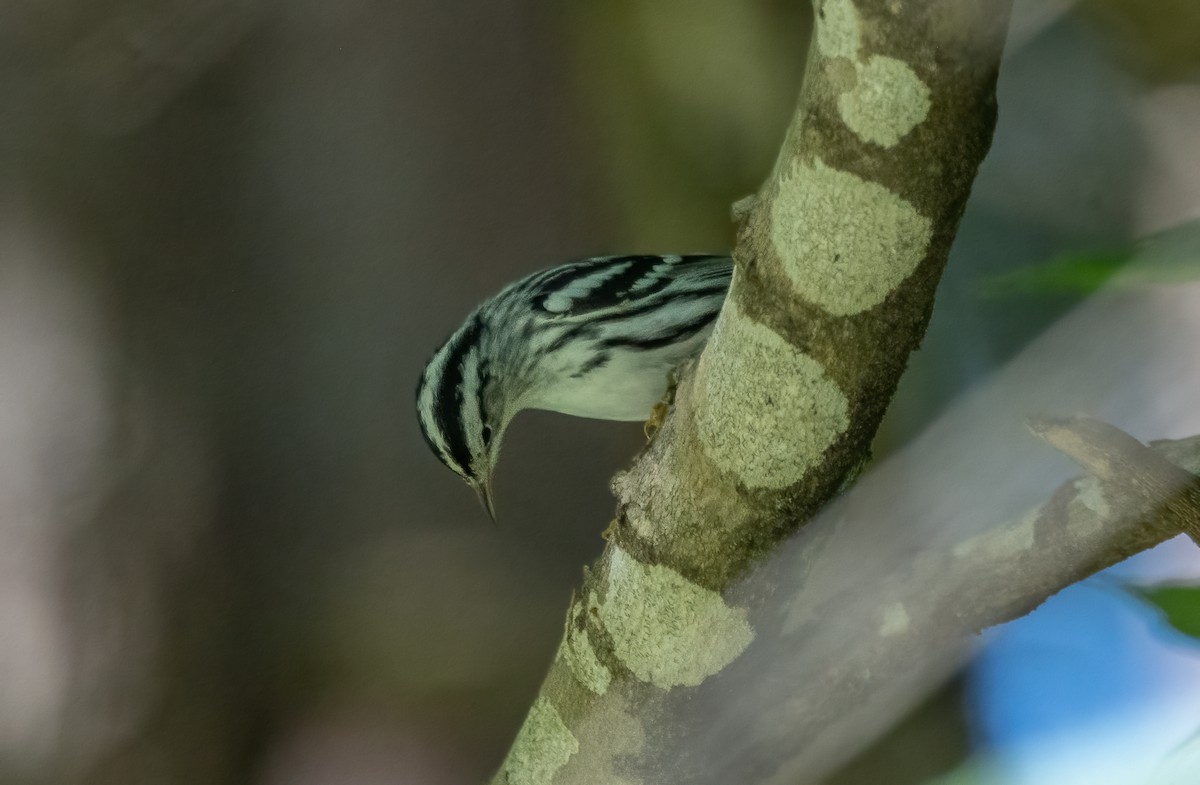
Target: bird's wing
590,287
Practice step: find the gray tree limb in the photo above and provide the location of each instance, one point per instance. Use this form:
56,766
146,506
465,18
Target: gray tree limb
1121,461
875,617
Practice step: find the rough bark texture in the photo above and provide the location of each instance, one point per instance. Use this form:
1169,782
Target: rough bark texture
846,648
1122,461
837,263
838,259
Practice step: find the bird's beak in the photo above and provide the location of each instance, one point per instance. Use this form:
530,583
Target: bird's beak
483,489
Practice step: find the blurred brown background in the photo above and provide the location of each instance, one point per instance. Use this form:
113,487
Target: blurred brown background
232,231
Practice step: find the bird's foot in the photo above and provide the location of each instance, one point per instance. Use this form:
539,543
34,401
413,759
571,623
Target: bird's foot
658,414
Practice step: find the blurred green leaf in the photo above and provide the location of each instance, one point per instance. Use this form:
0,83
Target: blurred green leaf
1180,604
1069,274
1169,257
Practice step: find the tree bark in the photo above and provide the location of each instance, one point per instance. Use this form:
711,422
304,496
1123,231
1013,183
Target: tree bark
837,261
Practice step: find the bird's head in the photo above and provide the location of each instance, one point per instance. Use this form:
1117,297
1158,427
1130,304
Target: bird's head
462,411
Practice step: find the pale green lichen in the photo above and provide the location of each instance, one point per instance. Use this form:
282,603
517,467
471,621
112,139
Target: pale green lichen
577,652
1090,493
887,102
1011,539
887,99
845,243
837,29
1017,539
609,732
542,747
895,620
666,629
765,411
1088,510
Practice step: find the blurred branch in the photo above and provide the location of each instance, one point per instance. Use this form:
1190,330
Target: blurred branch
1119,460
838,259
863,656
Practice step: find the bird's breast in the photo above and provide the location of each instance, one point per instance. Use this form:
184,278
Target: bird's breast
625,387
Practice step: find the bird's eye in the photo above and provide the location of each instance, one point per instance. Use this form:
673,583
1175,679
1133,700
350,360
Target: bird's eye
487,435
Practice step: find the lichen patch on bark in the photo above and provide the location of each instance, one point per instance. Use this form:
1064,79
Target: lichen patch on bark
887,102
543,746
886,99
669,631
895,620
837,29
845,243
1008,541
1090,493
577,652
611,733
799,410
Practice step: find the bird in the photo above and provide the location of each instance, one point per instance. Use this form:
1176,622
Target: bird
595,337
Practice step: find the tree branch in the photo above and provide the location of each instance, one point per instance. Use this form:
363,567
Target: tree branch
865,617
1118,459
838,259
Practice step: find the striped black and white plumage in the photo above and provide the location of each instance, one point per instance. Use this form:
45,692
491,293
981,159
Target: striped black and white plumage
593,338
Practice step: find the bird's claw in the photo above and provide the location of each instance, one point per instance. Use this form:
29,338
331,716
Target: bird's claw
658,414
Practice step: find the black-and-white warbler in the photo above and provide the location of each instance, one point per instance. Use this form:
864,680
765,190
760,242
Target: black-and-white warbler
593,338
